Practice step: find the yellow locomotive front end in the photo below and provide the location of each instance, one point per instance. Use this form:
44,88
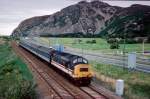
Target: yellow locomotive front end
82,71
83,74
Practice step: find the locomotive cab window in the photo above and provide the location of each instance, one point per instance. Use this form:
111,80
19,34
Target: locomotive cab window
83,69
80,60
85,61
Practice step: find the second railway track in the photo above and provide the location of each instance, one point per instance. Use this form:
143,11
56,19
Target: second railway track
94,94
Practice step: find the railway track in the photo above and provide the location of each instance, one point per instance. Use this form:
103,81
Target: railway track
58,87
93,93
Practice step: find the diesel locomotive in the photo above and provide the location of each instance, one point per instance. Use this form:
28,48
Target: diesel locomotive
73,66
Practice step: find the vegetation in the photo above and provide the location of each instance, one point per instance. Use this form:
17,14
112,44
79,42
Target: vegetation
128,26
16,81
114,44
91,42
100,45
68,35
137,84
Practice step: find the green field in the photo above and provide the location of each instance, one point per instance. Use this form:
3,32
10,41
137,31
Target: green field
16,81
100,45
137,84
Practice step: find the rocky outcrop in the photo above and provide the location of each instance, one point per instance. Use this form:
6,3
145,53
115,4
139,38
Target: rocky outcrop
84,17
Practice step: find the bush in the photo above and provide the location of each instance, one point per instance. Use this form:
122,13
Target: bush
6,69
114,44
88,42
16,88
14,85
91,42
141,88
111,40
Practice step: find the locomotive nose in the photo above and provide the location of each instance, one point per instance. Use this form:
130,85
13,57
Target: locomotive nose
82,70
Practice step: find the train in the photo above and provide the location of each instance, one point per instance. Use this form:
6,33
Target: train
72,66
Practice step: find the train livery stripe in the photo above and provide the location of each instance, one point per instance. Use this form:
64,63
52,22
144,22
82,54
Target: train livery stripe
61,67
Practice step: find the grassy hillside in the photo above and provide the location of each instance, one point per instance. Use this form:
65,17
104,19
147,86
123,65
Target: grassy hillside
16,81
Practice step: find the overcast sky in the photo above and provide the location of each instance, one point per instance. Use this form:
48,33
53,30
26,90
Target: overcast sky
12,12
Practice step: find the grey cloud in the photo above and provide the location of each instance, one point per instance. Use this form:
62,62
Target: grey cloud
12,12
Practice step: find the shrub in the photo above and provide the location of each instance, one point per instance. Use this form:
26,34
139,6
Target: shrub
16,81
141,88
114,44
88,42
91,42
14,85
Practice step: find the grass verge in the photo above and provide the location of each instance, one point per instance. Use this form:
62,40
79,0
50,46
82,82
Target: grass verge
137,84
16,81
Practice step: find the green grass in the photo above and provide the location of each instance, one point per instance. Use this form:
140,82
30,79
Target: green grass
16,81
101,44
137,83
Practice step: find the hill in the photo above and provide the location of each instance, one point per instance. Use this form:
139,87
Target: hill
88,19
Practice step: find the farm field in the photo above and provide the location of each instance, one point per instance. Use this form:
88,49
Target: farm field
137,84
101,45
16,81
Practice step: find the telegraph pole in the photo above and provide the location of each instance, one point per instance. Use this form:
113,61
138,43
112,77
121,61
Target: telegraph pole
124,46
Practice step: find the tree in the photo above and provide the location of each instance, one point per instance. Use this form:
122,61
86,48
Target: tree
114,44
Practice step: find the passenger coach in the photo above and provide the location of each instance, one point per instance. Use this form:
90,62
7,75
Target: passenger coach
74,66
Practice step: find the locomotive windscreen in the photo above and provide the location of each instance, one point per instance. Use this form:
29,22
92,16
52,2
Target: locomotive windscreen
80,60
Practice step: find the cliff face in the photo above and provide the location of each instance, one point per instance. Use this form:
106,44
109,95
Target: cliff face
84,17
27,25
